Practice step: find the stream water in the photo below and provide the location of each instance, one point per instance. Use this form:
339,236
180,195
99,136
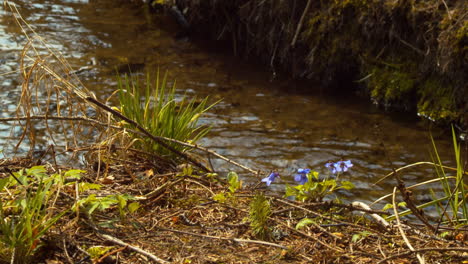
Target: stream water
277,125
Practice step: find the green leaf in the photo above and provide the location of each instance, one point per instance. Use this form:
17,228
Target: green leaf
347,185
220,197
444,234
387,206
402,204
234,182
355,238
122,201
4,182
133,207
36,171
188,170
96,252
74,174
314,174
84,186
304,222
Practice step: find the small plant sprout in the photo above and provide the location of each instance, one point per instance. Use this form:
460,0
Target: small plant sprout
301,176
271,178
259,212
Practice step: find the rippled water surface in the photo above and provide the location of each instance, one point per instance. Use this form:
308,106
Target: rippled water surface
267,125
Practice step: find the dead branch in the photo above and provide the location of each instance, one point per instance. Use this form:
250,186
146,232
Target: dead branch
323,216
407,197
238,240
403,235
134,248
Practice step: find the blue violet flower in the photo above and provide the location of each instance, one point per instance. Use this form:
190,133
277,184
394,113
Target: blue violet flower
271,178
339,166
343,165
301,175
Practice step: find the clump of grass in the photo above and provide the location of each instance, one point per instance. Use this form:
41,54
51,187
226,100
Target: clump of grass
27,212
157,110
456,193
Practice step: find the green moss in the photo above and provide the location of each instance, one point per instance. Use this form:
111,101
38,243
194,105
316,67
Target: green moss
391,85
436,100
397,85
461,38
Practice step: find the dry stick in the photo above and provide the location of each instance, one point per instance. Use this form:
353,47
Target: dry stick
101,259
120,242
238,240
397,216
301,21
134,248
404,254
323,216
162,188
376,217
406,194
448,10
82,118
329,204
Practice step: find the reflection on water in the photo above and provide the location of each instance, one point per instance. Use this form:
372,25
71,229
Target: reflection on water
262,124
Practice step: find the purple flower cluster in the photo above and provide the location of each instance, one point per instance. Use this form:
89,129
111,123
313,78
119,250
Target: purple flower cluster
339,166
301,175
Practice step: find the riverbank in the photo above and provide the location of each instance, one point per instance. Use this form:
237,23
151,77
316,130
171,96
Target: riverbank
401,54
132,214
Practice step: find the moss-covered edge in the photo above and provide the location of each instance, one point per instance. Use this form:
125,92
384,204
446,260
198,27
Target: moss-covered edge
408,54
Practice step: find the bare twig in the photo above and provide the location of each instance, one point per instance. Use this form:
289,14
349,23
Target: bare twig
395,210
134,248
448,10
238,240
407,197
323,216
101,259
377,217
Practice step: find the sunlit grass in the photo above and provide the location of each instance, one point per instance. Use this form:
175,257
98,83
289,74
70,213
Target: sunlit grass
156,109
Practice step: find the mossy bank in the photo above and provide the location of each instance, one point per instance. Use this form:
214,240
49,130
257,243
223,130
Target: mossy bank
401,53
